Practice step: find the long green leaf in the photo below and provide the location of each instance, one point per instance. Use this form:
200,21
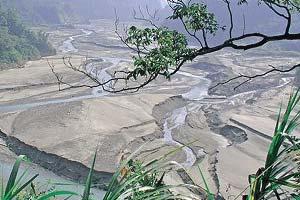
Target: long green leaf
88,184
21,188
56,193
13,175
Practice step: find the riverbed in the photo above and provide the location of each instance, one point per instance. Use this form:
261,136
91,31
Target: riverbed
68,125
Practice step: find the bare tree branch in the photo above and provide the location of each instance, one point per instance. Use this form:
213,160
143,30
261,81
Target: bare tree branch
288,17
143,18
190,33
117,20
250,78
244,24
231,17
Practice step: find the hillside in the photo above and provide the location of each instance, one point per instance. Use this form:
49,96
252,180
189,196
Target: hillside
18,43
41,12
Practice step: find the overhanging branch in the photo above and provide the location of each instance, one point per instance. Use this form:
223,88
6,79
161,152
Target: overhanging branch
251,77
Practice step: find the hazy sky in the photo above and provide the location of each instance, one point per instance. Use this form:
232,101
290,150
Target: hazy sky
163,3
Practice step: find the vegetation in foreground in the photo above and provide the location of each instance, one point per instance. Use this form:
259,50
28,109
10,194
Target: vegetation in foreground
279,178
19,44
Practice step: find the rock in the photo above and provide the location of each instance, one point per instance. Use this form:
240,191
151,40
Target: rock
200,154
196,120
250,101
234,134
161,109
213,118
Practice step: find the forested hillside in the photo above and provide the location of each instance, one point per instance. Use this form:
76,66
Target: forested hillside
42,12
18,43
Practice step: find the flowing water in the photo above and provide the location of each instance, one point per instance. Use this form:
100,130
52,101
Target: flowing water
173,122
68,47
176,119
91,68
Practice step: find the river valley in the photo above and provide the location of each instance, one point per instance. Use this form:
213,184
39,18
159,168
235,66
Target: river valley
220,130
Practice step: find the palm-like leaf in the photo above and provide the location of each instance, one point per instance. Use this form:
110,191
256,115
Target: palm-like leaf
15,185
135,182
281,169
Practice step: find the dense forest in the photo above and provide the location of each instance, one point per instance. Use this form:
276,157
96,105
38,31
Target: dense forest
17,42
41,12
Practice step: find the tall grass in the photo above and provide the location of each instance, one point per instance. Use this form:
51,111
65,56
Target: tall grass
134,180
17,184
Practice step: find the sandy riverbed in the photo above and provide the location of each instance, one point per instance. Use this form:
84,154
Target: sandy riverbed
36,113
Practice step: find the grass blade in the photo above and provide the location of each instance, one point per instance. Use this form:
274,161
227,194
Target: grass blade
13,175
57,193
88,184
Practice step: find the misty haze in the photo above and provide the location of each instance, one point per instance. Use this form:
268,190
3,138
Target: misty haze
149,99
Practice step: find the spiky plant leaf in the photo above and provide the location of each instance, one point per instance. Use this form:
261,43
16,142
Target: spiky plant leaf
281,169
88,184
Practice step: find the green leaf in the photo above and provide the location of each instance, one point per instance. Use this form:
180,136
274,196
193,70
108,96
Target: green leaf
88,184
13,175
55,194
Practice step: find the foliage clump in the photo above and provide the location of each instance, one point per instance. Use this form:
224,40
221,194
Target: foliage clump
171,47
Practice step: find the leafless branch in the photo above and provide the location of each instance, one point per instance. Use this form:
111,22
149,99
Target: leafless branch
190,33
244,24
251,77
288,15
143,18
122,39
107,85
231,17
